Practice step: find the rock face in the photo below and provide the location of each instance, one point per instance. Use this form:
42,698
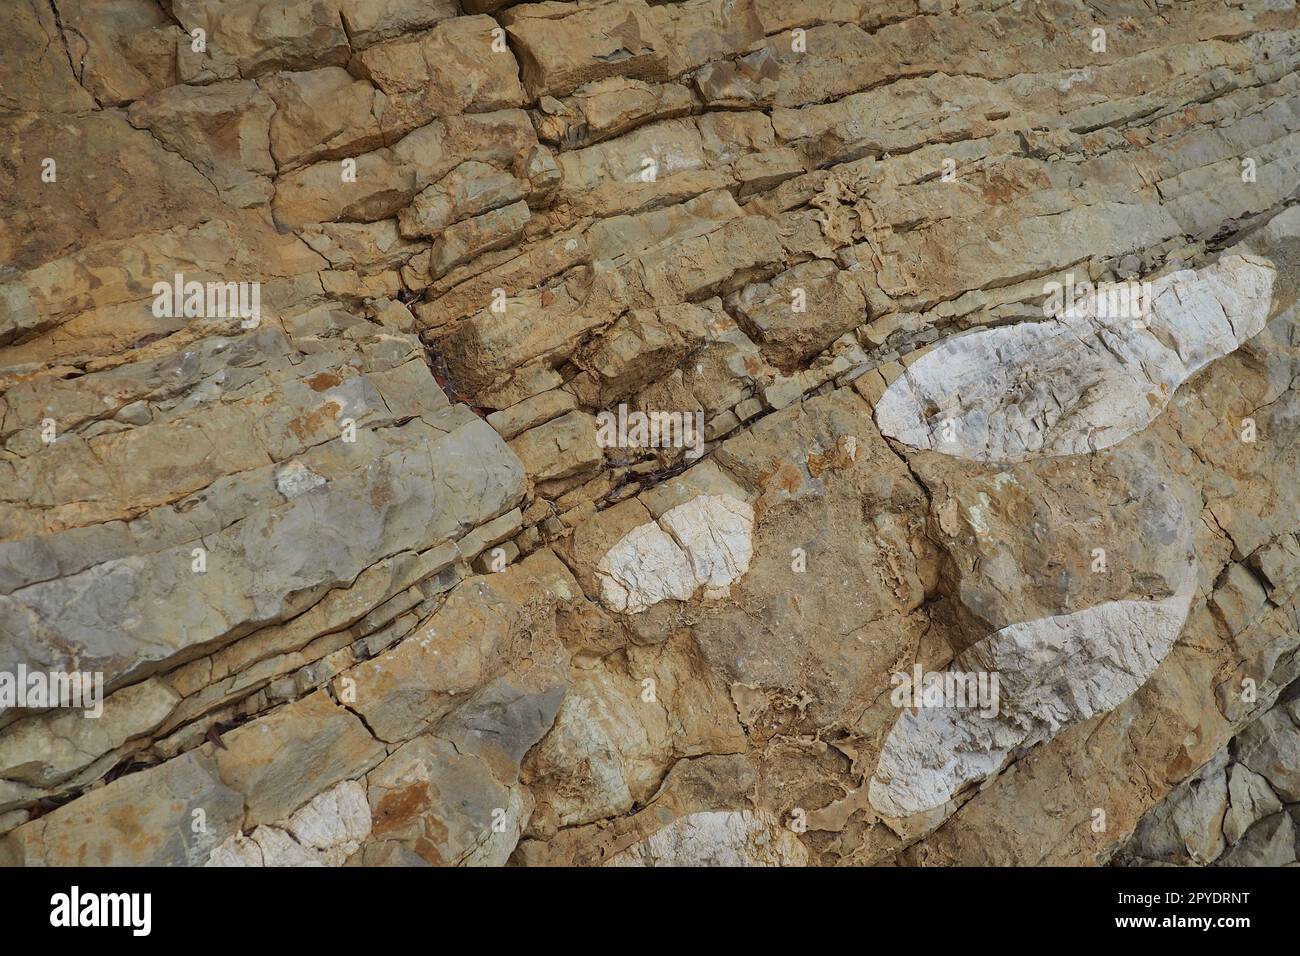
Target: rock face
1082,382
1230,814
728,432
704,542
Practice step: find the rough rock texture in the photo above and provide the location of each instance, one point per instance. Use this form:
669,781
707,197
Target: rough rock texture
1080,383
1054,672
370,581
1230,813
703,542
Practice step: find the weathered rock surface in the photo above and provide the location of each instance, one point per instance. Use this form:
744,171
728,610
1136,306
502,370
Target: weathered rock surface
370,581
717,838
1054,672
1228,814
704,542
1078,384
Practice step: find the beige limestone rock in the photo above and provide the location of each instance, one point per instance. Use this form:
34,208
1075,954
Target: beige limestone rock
250,37
559,448
143,819
46,749
1195,830
430,803
1268,747
1252,800
531,412
223,129
39,68
621,725
472,237
451,68
468,190
469,641
281,761
563,45
355,623
124,53
321,114
368,21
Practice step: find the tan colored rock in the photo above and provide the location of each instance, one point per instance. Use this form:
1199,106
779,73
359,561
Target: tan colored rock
36,65
559,448
607,108
250,37
282,760
388,179
619,727
369,21
342,619
470,238
639,348
706,30
449,69
534,411
322,114
433,805
564,45
471,640
124,53
223,129
468,190
143,819
46,749
801,312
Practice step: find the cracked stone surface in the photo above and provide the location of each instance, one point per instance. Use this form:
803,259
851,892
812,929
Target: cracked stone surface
704,542
1081,383
1055,672
368,582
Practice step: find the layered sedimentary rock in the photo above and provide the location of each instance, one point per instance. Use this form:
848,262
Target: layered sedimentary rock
313,319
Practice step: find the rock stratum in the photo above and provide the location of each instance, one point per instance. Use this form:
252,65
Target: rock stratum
466,432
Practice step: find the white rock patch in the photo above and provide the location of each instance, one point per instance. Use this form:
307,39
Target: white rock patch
643,568
1077,383
1053,672
325,832
338,817
717,838
705,542
296,479
716,531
